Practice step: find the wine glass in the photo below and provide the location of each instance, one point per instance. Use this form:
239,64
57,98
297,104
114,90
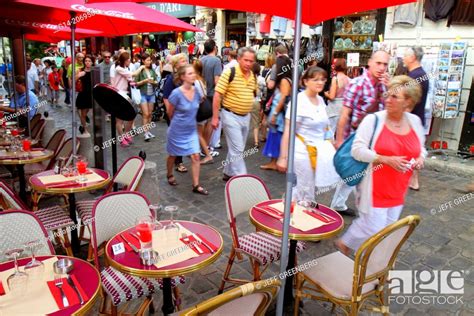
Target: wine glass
17,282
81,165
171,229
34,268
144,226
156,211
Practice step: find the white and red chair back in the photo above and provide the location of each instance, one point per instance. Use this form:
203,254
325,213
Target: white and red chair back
129,174
65,151
10,198
18,227
55,142
241,193
114,212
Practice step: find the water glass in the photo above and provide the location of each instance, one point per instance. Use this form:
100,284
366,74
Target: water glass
81,166
293,202
26,144
171,229
18,281
34,268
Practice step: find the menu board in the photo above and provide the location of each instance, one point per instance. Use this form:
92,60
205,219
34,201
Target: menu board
450,70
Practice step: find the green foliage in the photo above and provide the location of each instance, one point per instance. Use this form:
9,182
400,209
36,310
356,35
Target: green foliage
36,49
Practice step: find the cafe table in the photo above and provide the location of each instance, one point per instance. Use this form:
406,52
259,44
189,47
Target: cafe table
59,185
264,216
20,159
129,261
39,300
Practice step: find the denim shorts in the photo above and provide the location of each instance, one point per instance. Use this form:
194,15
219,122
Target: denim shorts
148,98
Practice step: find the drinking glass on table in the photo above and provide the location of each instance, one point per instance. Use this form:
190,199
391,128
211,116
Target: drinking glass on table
26,144
156,210
293,202
81,165
171,229
144,226
17,282
34,268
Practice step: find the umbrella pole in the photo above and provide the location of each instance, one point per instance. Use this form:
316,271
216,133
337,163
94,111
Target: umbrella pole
27,92
73,80
6,66
287,287
15,94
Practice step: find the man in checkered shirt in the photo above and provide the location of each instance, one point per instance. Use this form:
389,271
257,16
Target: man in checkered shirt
363,95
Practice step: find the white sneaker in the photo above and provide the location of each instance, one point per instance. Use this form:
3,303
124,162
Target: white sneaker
147,137
151,135
86,134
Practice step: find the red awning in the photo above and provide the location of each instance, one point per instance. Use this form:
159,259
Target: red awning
313,12
109,18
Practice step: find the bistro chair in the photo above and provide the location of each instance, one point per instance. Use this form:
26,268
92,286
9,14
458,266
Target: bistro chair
18,227
351,283
54,218
34,120
248,299
111,214
54,144
241,193
37,130
128,176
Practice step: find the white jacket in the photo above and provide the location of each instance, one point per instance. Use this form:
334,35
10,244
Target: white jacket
361,151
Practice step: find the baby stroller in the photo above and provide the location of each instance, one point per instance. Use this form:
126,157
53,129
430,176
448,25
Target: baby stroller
159,110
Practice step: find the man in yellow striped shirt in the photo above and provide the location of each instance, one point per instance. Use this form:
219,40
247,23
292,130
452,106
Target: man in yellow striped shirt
237,98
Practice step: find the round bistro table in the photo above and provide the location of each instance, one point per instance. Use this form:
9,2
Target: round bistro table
85,273
38,187
274,226
129,262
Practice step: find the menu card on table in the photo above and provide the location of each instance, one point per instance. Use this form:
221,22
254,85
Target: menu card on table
37,300
300,218
171,251
59,178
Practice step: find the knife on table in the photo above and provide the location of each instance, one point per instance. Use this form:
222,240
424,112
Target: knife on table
130,244
202,242
71,283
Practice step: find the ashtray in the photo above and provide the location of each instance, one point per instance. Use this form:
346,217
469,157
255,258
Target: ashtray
149,258
63,266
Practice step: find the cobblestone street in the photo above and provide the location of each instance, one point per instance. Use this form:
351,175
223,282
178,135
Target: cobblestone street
443,241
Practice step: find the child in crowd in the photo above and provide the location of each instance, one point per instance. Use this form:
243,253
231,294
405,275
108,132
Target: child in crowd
54,81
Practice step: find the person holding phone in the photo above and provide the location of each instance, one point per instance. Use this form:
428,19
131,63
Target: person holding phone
364,95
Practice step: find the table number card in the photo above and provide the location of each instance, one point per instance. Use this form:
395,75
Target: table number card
118,248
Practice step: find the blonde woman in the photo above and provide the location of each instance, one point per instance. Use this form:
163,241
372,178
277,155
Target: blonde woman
397,145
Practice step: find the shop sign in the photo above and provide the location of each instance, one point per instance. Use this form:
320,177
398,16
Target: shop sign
353,60
173,9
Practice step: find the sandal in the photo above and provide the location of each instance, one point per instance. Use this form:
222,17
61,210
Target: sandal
199,189
172,182
207,161
181,168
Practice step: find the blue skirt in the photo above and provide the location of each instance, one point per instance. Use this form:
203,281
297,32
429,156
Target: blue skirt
272,146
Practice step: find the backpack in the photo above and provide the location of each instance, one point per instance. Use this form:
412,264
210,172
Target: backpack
232,76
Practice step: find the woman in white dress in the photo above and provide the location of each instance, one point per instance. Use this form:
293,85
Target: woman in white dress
312,130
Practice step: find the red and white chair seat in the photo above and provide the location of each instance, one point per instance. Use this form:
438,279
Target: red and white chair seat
84,210
122,287
265,248
54,218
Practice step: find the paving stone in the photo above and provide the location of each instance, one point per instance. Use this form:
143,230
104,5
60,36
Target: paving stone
435,262
462,263
437,241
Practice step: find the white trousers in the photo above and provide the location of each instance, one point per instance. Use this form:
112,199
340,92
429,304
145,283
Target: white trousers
305,186
216,135
236,131
369,224
340,197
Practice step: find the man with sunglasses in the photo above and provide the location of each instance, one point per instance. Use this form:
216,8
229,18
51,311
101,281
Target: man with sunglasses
363,95
105,67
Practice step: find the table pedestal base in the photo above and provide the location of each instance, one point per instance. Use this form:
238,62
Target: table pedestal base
21,179
289,299
168,306
75,243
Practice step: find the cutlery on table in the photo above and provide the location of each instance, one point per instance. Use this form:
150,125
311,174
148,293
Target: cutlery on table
203,243
71,283
130,244
59,284
186,239
269,213
134,235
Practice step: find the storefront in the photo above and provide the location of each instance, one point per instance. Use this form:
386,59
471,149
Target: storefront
449,61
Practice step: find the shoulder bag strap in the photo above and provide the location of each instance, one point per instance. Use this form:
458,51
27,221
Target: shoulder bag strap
375,128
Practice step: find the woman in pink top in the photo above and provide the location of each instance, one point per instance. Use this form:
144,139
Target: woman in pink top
336,92
123,77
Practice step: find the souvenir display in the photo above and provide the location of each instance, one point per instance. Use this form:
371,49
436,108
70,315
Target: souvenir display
450,69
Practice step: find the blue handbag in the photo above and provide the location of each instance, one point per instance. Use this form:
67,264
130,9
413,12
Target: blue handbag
350,170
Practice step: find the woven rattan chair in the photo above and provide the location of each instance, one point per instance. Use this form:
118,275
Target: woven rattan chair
241,193
54,218
352,283
18,227
37,130
34,120
54,144
248,299
110,214
128,176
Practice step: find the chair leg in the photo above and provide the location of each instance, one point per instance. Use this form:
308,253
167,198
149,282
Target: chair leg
256,270
90,253
177,298
67,245
299,284
227,271
151,307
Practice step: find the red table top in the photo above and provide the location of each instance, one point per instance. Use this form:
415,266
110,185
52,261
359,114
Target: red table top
129,262
37,185
85,273
274,226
